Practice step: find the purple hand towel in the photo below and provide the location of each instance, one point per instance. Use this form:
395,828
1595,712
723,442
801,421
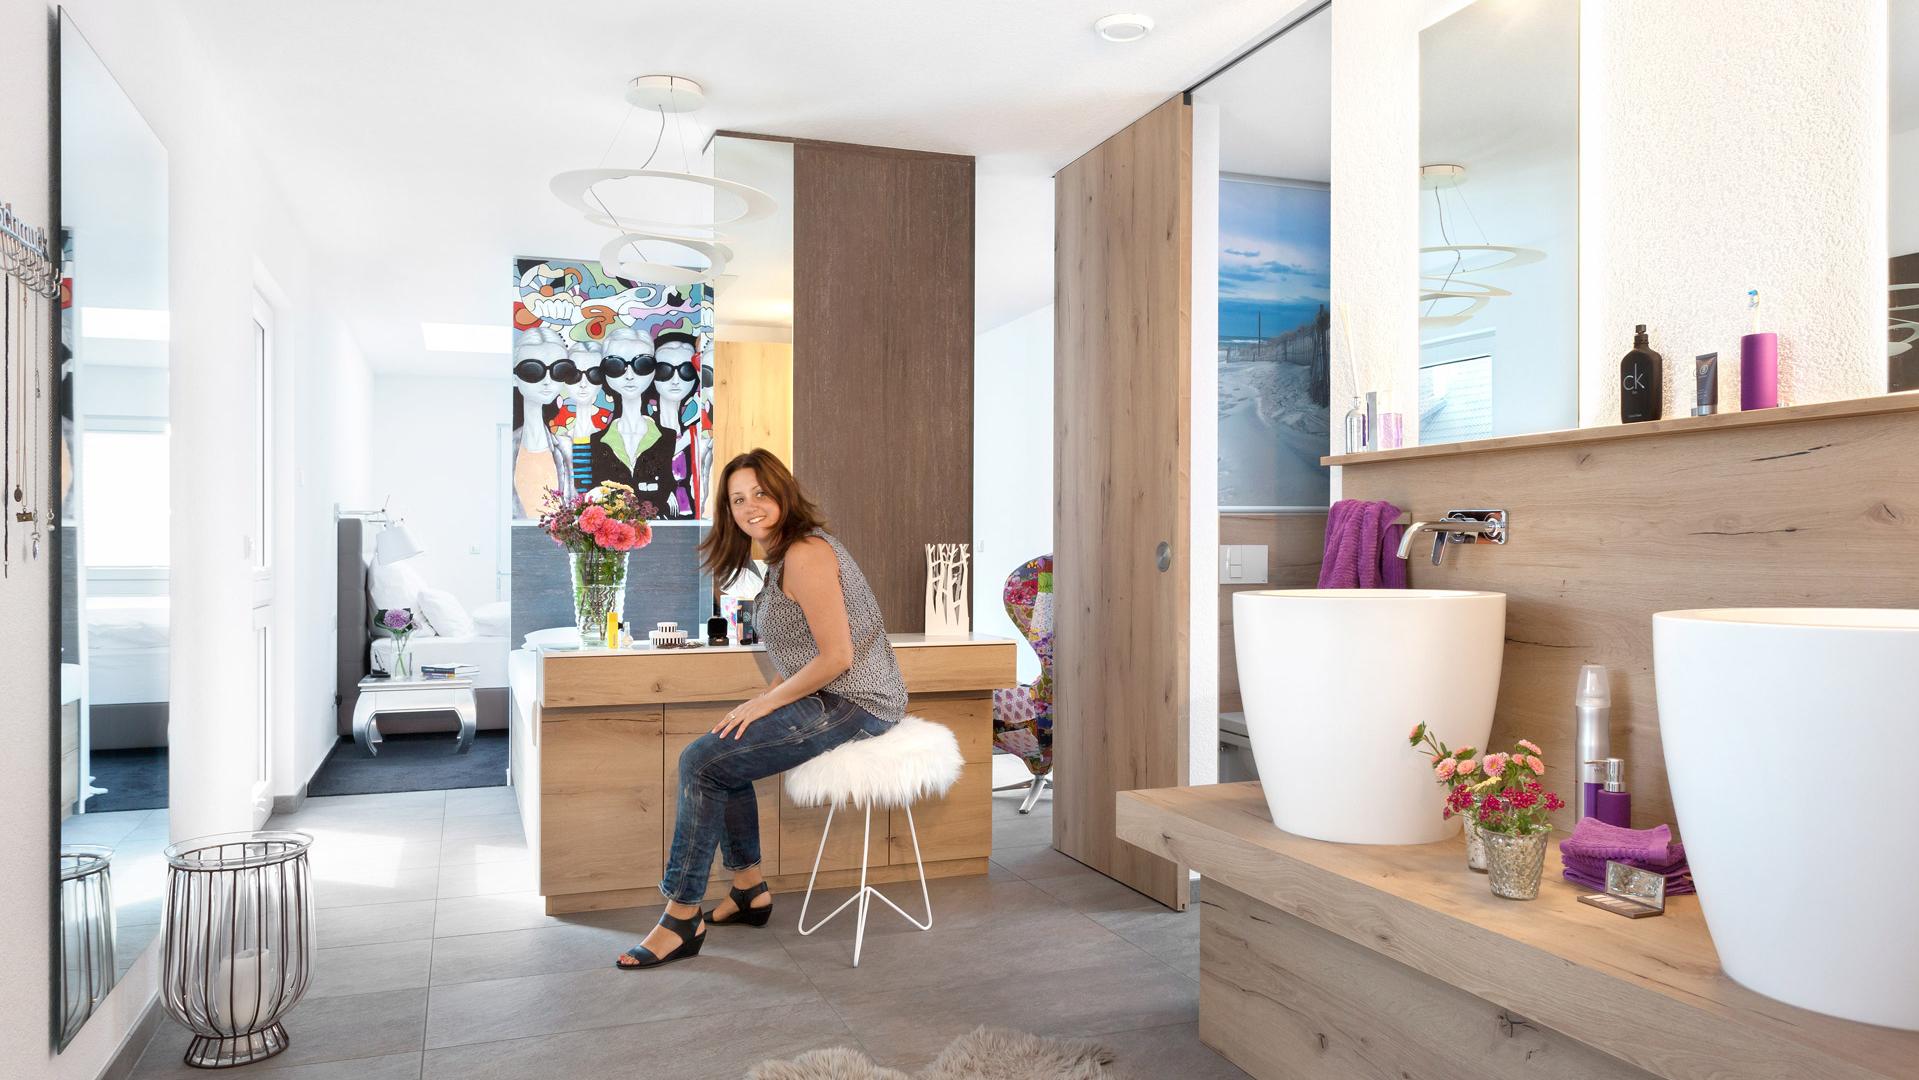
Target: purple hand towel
1595,839
1362,547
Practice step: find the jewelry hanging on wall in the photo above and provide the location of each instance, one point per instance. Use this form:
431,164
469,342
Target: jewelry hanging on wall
30,276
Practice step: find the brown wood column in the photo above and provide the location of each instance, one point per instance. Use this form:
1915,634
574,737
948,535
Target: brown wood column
883,356
1122,381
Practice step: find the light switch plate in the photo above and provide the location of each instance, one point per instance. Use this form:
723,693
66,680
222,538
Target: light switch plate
1242,564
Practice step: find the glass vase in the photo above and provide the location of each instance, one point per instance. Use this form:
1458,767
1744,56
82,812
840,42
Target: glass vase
1475,848
402,659
1514,862
599,589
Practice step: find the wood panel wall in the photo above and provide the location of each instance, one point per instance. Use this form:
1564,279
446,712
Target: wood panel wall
883,332
1818,512
1294,543
1122,387
752,400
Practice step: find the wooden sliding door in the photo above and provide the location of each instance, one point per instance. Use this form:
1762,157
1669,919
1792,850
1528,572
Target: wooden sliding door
1122,390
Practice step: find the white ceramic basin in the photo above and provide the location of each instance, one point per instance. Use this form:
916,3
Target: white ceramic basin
1789,735
1334,680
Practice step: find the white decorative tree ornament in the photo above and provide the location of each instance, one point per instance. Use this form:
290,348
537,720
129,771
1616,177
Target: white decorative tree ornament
947,590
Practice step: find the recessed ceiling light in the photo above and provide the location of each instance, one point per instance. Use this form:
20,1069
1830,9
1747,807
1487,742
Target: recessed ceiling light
1124,28
466,337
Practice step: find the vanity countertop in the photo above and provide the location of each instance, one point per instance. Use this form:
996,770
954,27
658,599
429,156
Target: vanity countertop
1647,991
899,641
603,678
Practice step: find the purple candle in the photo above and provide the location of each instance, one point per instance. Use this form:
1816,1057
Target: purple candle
1759,371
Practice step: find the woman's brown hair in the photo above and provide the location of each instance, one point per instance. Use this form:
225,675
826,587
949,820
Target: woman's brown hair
727,549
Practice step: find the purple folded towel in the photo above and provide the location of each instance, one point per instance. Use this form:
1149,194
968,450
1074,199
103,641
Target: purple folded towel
1362,545
1595,839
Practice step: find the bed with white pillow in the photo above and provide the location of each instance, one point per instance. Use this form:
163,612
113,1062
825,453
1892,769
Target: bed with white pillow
448,632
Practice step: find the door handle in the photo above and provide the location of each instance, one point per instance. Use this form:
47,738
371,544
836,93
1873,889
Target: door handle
1163,557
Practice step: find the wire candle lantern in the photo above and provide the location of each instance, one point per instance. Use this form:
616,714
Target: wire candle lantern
238,936
87,970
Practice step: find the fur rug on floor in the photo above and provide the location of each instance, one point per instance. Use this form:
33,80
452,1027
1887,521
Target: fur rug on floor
985,1054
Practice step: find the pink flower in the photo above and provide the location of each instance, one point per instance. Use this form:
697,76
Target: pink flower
1530,745
1444,770
616,536
1536,765
1467,767
592,518
1496,763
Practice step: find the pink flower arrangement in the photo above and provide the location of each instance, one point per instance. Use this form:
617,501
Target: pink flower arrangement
1508,799
610,517
1447,763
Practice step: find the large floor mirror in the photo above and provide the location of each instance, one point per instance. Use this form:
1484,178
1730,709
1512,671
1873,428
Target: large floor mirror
112,522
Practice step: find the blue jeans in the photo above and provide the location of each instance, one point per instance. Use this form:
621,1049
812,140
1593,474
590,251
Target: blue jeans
717,807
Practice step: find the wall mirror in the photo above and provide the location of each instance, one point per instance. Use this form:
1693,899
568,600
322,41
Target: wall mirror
1902,371
1499,221
112,522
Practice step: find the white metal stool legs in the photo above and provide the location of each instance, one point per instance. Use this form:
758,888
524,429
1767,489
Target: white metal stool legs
864,897
1040,783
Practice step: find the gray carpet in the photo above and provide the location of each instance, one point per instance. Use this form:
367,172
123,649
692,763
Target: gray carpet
412,763
134,779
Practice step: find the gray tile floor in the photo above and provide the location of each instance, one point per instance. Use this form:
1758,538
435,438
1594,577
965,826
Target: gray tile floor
436,963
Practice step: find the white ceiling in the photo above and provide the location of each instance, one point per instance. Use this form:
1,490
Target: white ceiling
1276,107
418,137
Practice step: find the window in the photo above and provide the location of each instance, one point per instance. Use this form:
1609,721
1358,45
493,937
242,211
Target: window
125,522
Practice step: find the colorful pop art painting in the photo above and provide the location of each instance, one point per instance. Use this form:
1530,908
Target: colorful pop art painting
612,380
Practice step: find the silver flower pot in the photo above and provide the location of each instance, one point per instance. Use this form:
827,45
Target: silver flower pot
1475,848
1514,862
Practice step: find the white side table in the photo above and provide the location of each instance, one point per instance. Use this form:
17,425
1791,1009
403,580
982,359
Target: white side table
413,695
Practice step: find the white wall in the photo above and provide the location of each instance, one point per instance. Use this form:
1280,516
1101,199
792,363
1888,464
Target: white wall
329,441
1012,464
1712,161
1375,203
438,462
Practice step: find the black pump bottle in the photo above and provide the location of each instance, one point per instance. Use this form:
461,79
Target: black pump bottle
1642,392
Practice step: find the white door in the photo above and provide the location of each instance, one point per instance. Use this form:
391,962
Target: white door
260,541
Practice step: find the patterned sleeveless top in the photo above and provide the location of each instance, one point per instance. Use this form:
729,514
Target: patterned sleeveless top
873,682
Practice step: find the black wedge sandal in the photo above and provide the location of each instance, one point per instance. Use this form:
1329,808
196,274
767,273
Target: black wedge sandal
747,913
691,940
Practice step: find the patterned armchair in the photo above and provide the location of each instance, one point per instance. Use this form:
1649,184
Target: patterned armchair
1023,715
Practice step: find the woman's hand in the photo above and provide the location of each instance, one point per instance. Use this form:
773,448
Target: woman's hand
734,723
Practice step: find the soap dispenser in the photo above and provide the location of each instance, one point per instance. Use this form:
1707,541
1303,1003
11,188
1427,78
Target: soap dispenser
1642,394
1614,804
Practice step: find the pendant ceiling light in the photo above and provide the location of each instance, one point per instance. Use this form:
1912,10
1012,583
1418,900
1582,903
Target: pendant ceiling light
668,222
1446,297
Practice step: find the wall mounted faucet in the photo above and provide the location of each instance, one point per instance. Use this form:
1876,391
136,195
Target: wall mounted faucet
1458,527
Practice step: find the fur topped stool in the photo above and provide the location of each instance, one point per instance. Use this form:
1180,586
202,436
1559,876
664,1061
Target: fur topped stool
917,759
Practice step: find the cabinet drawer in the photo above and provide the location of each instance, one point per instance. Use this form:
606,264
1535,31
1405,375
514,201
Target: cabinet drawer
592,841
970,717
957,826
593,753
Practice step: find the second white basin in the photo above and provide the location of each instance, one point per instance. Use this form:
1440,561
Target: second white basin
1788,735
1333,682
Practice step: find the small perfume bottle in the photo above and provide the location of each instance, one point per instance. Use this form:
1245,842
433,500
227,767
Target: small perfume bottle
1355,428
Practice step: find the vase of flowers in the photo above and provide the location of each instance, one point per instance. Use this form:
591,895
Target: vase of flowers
399,624
1508,807
598,528
1450,767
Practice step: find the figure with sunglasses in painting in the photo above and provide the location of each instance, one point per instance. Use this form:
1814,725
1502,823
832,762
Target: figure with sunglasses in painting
591,411
542,418
676,344
631,450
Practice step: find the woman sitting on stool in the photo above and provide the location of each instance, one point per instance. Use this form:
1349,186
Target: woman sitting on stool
837,681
